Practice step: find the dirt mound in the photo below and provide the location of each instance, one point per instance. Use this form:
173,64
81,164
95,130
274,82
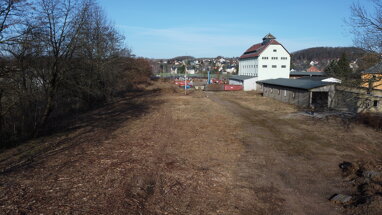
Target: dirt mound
365,180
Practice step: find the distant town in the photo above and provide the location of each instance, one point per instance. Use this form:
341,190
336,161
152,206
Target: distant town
309,60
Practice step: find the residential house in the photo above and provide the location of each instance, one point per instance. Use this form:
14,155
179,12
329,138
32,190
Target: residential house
230,70
174,70
190,70
313,69
372,77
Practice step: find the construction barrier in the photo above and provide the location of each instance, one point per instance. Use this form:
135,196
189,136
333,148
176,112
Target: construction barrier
233,87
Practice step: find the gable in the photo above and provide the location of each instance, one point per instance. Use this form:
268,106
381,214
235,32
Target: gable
268,51
256,50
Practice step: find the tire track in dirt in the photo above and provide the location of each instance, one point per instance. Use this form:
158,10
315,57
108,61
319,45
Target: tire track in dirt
277,183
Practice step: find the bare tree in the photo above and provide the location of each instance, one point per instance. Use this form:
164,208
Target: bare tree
61,57
367,25
12,16
60,22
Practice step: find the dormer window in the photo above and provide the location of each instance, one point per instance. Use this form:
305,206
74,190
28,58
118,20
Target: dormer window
274,50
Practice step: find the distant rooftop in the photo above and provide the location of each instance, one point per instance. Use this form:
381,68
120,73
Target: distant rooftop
376,69
296,83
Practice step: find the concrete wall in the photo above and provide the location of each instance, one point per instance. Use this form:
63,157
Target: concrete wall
331,89
249,84
299,97
289,95
357,100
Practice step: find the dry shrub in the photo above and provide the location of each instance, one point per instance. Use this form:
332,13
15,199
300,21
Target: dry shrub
373,120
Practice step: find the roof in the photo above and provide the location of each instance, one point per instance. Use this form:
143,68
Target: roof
269,36
255,50
241,77
296,83
313,69
376,69
307,73
314,78
320,78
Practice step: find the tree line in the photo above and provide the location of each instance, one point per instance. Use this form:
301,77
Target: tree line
324,53
58,57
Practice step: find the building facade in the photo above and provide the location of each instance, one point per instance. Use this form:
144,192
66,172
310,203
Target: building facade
266,60
372,77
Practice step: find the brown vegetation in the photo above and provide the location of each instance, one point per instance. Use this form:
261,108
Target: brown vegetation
158,151
58,58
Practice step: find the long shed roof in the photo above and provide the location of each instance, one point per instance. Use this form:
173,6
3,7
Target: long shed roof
307,73
241,77
296,83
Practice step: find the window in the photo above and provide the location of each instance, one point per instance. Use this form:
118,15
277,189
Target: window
271,90
264,58
284,58
274,66
285,92
293,95
375,104
274,50
275,58
264,66
278,92
283,66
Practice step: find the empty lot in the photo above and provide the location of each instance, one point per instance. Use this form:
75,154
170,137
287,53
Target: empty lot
158,151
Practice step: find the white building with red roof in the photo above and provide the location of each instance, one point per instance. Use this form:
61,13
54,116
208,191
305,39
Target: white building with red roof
266,60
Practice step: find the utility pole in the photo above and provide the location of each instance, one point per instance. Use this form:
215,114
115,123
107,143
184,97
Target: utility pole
185,80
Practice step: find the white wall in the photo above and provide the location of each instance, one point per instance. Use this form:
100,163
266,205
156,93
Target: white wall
274,55
250,84
270,72
248,67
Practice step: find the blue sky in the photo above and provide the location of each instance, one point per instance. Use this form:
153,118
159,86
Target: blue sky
169,28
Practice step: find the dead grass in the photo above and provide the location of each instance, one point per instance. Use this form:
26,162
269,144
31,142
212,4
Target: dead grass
163,152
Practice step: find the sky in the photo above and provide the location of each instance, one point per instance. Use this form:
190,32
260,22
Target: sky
210,28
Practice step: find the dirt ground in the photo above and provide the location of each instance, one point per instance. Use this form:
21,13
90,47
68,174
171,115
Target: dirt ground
158,151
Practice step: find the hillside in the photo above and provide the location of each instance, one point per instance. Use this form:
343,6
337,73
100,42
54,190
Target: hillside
158,151
322,56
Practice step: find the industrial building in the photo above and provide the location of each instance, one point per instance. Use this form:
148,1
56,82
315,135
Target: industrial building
303,93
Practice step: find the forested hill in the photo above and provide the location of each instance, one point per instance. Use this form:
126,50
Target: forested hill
323,55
